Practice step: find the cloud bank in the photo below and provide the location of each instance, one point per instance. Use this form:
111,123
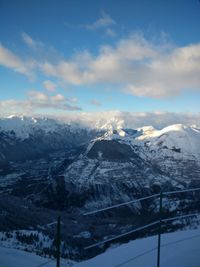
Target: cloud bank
134,65
37,101
131,119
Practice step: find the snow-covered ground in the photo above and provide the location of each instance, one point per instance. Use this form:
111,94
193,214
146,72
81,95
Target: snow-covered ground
180,249
16,258
174,136
23,126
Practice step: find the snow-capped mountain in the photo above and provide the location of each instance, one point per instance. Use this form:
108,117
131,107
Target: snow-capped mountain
23,138
174,136
24,126
119,159
178,138
65,167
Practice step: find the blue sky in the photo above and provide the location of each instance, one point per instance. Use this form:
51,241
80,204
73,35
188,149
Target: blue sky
60,57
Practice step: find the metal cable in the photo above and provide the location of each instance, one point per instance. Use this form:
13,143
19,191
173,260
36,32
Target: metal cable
150,250
119,205
121,235
140,199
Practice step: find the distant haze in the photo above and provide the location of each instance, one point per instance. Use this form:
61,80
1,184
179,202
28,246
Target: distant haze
118,119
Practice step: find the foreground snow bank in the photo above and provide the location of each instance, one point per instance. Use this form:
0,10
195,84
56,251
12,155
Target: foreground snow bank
178,249
14,258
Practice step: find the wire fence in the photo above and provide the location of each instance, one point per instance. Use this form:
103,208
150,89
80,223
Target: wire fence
154,249
160,222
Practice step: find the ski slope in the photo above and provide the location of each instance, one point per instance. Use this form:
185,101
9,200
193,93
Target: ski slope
16,258
180,249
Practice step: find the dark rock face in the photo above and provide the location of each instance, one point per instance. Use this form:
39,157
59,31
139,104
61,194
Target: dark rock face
111,150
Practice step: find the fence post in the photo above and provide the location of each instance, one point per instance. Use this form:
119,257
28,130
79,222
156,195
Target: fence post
58,243
159,229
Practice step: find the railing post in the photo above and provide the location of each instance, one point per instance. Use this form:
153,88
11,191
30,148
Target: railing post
159,230
58,243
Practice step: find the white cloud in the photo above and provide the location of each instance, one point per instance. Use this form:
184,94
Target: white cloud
74,100
97,119
41,100
169,74
132,119
104,21
134,65
37,101
67,71
38,96
14,107
9,60
158,119
30,42
49,86
111,65
40,51
95,102
110,32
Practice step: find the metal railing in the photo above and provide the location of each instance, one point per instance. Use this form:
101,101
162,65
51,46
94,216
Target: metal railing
138,229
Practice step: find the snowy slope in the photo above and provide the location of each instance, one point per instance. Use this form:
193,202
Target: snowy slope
23,126
14,258
173,138
178,249
176,137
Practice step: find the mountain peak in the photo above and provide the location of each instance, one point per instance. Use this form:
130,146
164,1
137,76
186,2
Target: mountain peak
177,137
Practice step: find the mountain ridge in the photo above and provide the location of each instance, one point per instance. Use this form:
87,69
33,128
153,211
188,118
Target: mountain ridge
72,170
